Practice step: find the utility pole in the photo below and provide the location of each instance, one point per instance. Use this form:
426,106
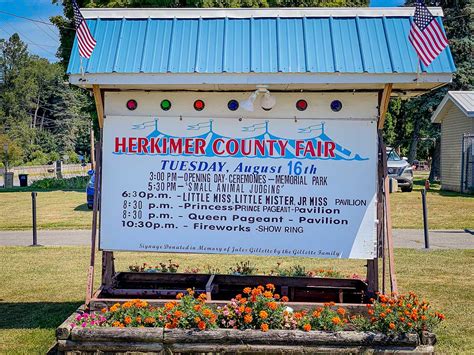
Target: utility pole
92,147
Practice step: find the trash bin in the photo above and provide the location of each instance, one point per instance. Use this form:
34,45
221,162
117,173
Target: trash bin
8,180
23,180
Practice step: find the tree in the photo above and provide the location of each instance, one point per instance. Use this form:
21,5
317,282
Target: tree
10,152
39,112
412,120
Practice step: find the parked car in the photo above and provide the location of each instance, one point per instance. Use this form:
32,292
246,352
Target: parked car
90,189
400,170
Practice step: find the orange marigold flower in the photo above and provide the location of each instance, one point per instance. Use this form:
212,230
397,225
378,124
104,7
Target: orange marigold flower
276,296
202,325
116,324
241,309
382,315
371,312
247,290
409,324
440,316
127,320
197,307
316,314
391,325
307,327
336,320
202,297
284,299
263,315
341,311
197,319
138,319
238,297
179,295
261,288
243,300
268,294
272,305
207,313
423,317
127,305
190,291
149,320
169,306
270,287
248,310
264,327
178,314
248,318
104,310
402,319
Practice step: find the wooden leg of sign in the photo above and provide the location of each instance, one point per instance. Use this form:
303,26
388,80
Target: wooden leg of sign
108,268
389,238
90,275
372,276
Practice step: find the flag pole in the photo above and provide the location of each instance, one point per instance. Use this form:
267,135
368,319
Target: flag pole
418,69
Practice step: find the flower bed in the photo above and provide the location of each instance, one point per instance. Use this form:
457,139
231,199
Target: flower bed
256,319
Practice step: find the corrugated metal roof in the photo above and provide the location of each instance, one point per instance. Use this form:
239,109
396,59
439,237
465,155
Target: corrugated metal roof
464,100
254,45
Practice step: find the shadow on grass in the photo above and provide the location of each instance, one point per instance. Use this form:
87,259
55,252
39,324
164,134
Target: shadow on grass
435,188
43,315
82,208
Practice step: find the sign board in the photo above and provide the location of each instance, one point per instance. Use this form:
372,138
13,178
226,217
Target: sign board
280,187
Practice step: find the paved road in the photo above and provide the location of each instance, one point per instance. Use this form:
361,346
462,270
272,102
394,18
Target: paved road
403,238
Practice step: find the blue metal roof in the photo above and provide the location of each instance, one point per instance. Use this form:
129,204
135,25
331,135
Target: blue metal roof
254,45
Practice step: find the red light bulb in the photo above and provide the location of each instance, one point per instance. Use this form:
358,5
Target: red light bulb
132,105
301,105
199,105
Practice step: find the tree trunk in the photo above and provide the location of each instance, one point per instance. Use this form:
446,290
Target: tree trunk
435,172
414,141
42,121
36,112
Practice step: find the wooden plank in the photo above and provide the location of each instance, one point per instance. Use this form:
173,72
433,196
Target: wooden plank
99,104
285,337
90,274
389,238
387,90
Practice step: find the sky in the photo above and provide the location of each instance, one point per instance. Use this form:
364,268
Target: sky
43,40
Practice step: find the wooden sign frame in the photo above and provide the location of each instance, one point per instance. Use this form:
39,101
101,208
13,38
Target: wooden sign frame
384,227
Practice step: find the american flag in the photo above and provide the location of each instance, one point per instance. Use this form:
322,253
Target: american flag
426,34
84,37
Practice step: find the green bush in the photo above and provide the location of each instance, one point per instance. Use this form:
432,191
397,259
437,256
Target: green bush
74,183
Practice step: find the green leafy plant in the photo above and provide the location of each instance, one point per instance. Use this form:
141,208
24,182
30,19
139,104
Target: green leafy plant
169,267
243,268
399,315
73,183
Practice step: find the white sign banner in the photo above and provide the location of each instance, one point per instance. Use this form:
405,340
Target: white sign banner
279,187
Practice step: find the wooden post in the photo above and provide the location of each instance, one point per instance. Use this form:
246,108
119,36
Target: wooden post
92,147
99,104
387,237
383,106
90,275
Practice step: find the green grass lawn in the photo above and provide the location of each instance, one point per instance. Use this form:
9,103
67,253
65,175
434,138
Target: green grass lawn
55,210
40,287
67,209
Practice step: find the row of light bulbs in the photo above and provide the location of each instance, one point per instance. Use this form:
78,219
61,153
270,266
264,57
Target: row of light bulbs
267,102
